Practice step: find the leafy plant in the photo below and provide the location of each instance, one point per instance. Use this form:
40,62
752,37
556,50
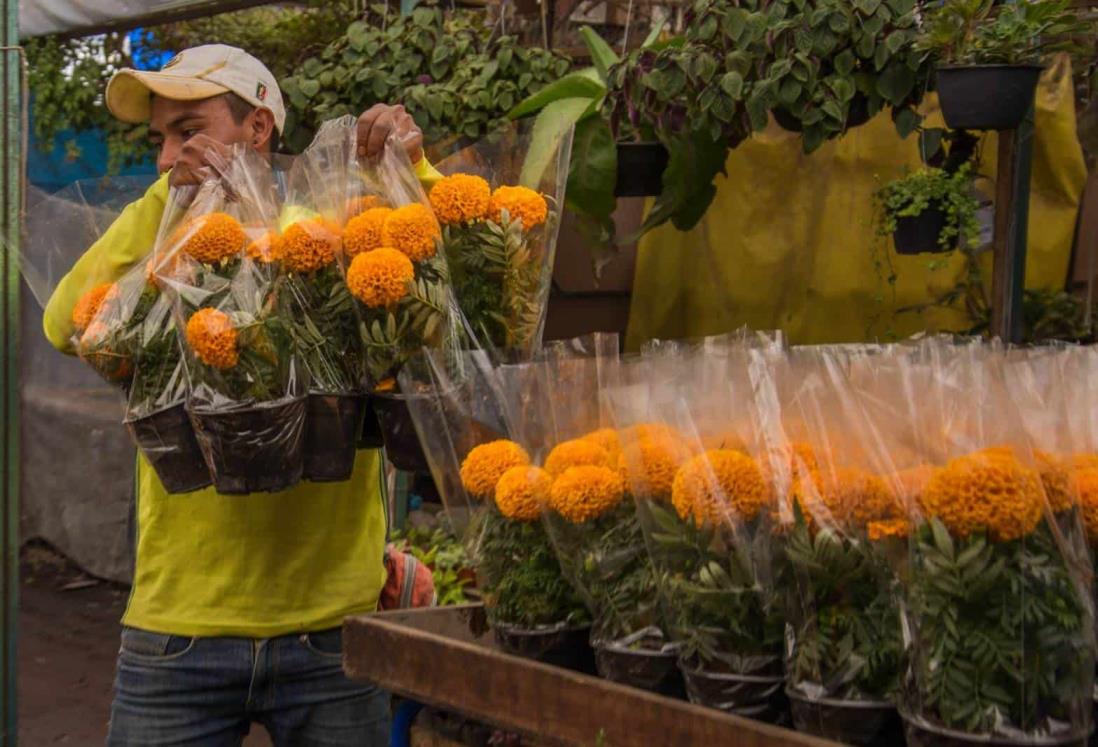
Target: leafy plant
325,329
982,32
1001,633
444,555
1048,314
932,188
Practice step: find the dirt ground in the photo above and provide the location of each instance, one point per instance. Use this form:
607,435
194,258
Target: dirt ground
68,641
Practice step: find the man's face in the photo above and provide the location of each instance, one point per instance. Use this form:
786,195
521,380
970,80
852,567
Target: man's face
173,123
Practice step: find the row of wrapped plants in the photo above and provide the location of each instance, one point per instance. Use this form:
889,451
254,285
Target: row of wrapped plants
869,543
259,342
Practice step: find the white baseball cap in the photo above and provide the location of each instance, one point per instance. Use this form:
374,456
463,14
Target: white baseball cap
195,74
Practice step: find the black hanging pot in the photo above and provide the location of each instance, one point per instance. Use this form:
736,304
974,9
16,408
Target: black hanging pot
398,431
369,436
332,425
166,438
919,234
987,97
787,121
561,645
865,723
640,169
256,449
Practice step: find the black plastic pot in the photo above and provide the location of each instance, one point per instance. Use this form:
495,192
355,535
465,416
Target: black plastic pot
919,234
921,734
332,424
759,698
166,438
864,723
655,671
987,97
398,432
257,449
561,645
640,169
369,436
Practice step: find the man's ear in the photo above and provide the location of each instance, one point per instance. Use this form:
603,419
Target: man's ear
261,129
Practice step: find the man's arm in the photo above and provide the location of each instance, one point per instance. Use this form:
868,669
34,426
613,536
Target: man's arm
128,240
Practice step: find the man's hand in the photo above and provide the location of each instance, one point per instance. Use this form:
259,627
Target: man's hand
382,120
199,153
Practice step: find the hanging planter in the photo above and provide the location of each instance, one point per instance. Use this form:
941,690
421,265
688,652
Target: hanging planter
929,211
921,234
398,432
332,426
166,439
640,169
987,97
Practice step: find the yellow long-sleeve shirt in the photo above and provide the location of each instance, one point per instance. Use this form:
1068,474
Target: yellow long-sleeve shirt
258,565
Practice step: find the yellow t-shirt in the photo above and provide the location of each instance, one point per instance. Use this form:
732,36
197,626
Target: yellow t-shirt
257,565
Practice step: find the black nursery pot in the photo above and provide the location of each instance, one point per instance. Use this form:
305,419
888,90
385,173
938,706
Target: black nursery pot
565,646
332,425
921,734
166,438
987,97
398,432
256,449
640,169
655,671
759,698
369,436
919,234
866,723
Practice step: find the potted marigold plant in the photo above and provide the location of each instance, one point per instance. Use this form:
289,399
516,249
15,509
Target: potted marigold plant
1002,630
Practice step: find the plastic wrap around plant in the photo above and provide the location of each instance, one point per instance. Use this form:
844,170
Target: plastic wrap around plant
500,209
494,495
246,387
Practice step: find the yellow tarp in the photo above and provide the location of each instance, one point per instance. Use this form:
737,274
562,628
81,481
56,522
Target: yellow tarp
789,241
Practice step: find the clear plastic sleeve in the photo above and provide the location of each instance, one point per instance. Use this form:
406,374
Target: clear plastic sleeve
246,387
500,209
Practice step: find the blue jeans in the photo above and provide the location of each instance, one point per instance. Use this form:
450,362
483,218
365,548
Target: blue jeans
205,692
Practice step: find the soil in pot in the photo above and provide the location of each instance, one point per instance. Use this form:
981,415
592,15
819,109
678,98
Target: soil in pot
561,645
257,449
640,169
332,423
646,664
866,723
167,440
398,432
922,734
755,697
919,234
987,97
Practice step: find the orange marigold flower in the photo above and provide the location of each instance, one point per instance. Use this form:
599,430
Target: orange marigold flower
880,530
486,463
719,485
413,230
521,203
911,482
461,198
380,278
522,491
86,308
982,491
575,453
358,205
265,249
363,233
308,245
212,336
608,439
651,462
94,348
214,237
586,492
1056,479
1084,461
856,497
1086,483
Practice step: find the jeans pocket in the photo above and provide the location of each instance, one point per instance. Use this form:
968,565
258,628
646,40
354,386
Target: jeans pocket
326,643
144,645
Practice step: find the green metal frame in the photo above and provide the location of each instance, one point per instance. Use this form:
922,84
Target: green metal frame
11,202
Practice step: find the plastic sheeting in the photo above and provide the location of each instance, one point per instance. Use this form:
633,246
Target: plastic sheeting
42,17
790,244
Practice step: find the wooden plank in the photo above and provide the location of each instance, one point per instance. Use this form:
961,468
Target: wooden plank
446,658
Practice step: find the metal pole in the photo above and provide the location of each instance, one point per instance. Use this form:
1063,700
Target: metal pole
1011,226
11,201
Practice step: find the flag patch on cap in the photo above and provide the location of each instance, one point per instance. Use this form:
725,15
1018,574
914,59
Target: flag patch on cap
261,91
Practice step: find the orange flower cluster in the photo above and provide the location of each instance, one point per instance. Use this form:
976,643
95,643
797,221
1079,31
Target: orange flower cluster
93,349
1086,483
1056,479
213,238
363,233
522,491
608,439
521,203
309,245
910,484
485,465
412,229
856,497
88,305
882,530
211,335
358,205
720,485
985,491
380,278
586,492
461,198
265,249
575,453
